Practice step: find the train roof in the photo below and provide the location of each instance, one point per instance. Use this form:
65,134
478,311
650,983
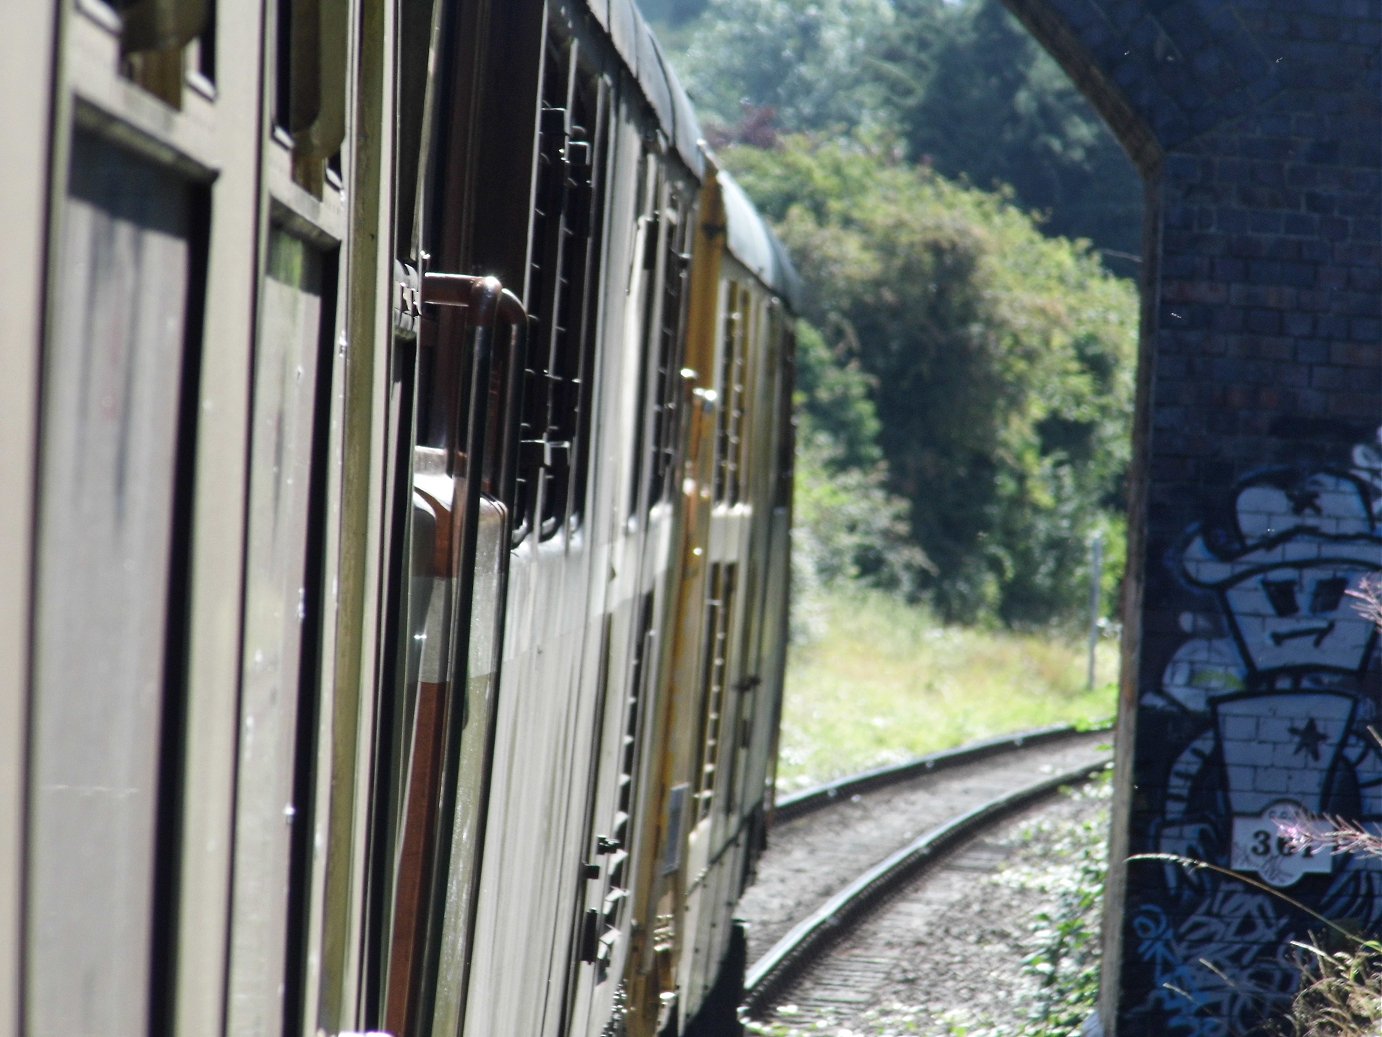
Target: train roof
636,45
750,240
754,245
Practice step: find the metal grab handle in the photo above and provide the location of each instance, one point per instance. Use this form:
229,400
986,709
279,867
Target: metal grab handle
162,24
489,306
481,429
488,299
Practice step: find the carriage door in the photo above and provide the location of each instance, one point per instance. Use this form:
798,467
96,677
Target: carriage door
440,716
458,361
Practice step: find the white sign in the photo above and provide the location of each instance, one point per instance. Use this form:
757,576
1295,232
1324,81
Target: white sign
1259,845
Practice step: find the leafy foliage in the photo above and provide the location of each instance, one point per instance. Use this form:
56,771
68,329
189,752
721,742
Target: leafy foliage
835,399
974,376
1066,958
1341,995
801,62
848,528
1000,363
962,85
976,97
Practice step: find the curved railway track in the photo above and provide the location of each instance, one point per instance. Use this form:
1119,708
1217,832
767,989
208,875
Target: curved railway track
841,851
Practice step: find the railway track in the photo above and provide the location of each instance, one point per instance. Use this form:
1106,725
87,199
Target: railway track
841,852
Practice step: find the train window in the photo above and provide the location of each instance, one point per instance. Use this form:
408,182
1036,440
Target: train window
540,455
730,418
563,282
204,57
109,640
785,428
283,64
665,263
453,464
285,611
714,676
649,229
722,415
592,108
750,353
670,346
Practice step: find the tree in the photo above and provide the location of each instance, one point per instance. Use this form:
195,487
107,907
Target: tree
1000,363
848,526
976,97
803,62
962,87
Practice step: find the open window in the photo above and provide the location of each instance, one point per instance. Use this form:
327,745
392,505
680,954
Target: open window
563,285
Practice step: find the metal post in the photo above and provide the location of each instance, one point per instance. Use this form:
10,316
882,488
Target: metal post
1096,566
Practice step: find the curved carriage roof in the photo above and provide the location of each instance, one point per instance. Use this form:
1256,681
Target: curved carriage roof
750,241
754,245
635,43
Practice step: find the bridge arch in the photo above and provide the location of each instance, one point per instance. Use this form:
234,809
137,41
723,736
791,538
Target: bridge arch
1249,681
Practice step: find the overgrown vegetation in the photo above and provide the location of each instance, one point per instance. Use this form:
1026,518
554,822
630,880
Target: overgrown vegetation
879,682
850,528
966,373
961,86
1054,988
1066,957
1341,995
991,365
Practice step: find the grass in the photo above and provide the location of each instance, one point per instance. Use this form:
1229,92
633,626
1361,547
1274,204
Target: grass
881,682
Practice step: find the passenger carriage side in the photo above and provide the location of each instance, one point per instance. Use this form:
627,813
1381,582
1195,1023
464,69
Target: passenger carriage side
194,546
400,588
724,674
589,593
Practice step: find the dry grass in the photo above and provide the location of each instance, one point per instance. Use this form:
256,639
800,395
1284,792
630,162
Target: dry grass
883,682
1341,995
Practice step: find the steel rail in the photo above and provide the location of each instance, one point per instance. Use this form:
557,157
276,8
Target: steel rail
810,938
799,804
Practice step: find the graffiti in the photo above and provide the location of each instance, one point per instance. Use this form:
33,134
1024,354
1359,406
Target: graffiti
1267,707
1197,996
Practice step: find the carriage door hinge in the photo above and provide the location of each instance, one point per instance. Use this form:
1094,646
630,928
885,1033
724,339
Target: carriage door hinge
590,936
406,299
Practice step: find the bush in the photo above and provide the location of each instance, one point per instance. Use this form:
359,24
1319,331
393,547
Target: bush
998,362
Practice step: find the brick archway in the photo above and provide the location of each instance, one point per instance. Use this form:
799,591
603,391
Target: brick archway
1257,501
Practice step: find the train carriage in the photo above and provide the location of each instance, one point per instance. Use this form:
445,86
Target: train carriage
734,584
399,443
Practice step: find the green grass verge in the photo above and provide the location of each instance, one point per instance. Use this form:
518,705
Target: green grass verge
881,682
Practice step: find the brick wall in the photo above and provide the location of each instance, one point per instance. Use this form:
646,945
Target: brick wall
1252,680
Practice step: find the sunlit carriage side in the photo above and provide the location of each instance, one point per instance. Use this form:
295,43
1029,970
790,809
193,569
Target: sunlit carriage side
364,433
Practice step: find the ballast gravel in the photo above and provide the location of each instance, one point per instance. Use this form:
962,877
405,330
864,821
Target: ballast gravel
808,860
948,959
